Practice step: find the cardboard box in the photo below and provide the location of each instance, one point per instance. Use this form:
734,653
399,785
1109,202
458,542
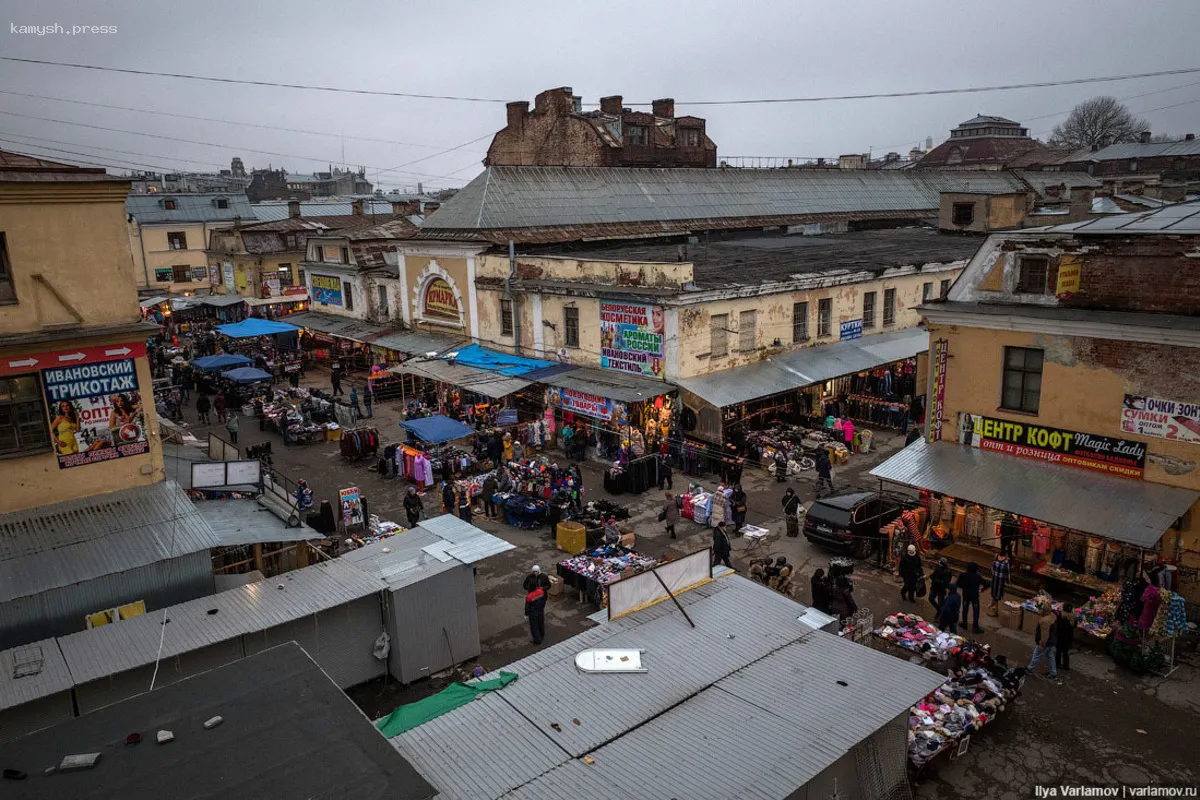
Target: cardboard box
1009,616
1029,622
556,585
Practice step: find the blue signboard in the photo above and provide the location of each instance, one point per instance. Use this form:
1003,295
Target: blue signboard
851,330
326,289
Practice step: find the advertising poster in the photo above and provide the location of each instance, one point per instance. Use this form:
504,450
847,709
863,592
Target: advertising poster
440,301
326,289
937,413
228,272
1162,419
1070,271
95,412
590,405
214,275
1119,457
270,287
631,338
850,330
163,274
351,503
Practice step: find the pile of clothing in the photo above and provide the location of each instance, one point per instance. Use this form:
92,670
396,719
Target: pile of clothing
967,701
596,513
607,563
923,638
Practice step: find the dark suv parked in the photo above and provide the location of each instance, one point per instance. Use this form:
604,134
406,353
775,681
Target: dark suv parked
850,523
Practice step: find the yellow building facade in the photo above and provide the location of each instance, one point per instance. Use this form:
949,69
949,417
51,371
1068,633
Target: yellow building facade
77,413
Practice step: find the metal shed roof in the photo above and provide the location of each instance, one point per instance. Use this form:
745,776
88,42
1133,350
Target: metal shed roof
243,521
619,386
432,547
77,540
480,381
133,643
1137,512
805,367
370,333
189,207
1173,220
51,676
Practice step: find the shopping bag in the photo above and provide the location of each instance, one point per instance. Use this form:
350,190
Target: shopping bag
921,587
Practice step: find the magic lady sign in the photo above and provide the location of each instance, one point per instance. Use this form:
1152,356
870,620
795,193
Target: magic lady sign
96,412
631,337
1084,450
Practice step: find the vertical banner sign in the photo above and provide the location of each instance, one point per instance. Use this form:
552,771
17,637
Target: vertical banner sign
937,411
351,503
228,277
1162,419
95,412
631,337
326,289
1070,271
214,275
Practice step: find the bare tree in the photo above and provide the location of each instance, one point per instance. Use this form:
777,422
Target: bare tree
1099,121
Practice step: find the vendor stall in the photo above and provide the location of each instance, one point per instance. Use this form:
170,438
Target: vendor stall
221,361
912,635
429,451
247,375
591,572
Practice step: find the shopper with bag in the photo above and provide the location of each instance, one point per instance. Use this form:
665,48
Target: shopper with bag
738,498
791,512
912,571
669,514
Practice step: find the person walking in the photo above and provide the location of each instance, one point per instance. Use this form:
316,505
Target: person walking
971,583
841,602
781,461
535,609
821,591
947,616
233,426
1001,572
219,406
448,501
203,404
536,579
939,584
1066,640
369,400
413,506
721,546
824,472
1045,640
335,380
464,504
911,570
791,512
738,501
664,474
358,412
670,514
490,487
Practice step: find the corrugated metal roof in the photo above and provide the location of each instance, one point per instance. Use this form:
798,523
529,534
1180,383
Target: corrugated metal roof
1039,180
113,649
1133,511
77,540
1132,150
373,333
619,386
1177,219
805,367
272,212
539,197
409,558
51,676
476,380
189,207
241,522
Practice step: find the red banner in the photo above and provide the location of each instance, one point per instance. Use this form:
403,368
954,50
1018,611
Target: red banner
32,362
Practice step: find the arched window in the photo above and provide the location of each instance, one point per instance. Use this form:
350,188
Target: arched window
955,156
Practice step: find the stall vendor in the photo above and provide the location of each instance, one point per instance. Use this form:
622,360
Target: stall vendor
612,533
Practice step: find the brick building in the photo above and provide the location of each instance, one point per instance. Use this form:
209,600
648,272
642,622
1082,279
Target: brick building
558,133
988,142
1168,170
1067,395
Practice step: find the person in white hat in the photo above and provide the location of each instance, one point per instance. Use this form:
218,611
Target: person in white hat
535,579
911,570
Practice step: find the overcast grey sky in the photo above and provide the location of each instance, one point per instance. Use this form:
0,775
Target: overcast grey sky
642,50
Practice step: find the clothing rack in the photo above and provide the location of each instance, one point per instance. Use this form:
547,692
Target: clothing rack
359,443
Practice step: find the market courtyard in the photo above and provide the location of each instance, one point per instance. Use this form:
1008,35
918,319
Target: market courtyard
1096,725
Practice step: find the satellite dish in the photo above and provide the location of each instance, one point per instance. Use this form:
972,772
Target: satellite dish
564,355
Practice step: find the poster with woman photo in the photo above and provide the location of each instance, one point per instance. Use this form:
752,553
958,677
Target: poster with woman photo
95,413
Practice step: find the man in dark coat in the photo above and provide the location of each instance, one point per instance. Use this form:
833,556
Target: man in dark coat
939,583
449,501
536,579
947,618
971,583
535,609
824,471
490,487
911,571
821,591
412,506
721,546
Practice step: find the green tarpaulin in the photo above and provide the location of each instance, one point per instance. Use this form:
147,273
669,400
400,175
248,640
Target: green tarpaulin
414,715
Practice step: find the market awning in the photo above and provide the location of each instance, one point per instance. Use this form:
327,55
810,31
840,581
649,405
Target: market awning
247,375
1127,510
437,429
255,326
150,302
805,367
363,332
255,302
473,355
619,386
221,361
221,300
469,378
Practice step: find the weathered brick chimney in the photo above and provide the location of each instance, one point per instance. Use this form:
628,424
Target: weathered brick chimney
664,108
293,208
406,208
356,207
559,100
516,114
611,104
1144,137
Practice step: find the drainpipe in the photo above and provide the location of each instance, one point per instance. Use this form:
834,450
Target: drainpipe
512,270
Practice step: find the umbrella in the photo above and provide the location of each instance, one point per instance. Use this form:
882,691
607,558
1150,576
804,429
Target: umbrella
221,361
247,375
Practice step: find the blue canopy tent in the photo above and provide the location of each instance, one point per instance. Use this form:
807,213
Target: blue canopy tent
500,363
255,326
247,375
437,429
221,362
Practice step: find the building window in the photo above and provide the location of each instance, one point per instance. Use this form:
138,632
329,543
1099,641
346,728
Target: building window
222,202
748,330
955,156
177,240
345,255
962,213
348,291
719,332
300,281
825,317
169,204
944,289
320,253
637,134
1022,379
799,322
8,293
1133,165
181,273
22,418
868,310
383,301
571,326
1032,275
506,317
690,137
889,306
926,292
285,275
